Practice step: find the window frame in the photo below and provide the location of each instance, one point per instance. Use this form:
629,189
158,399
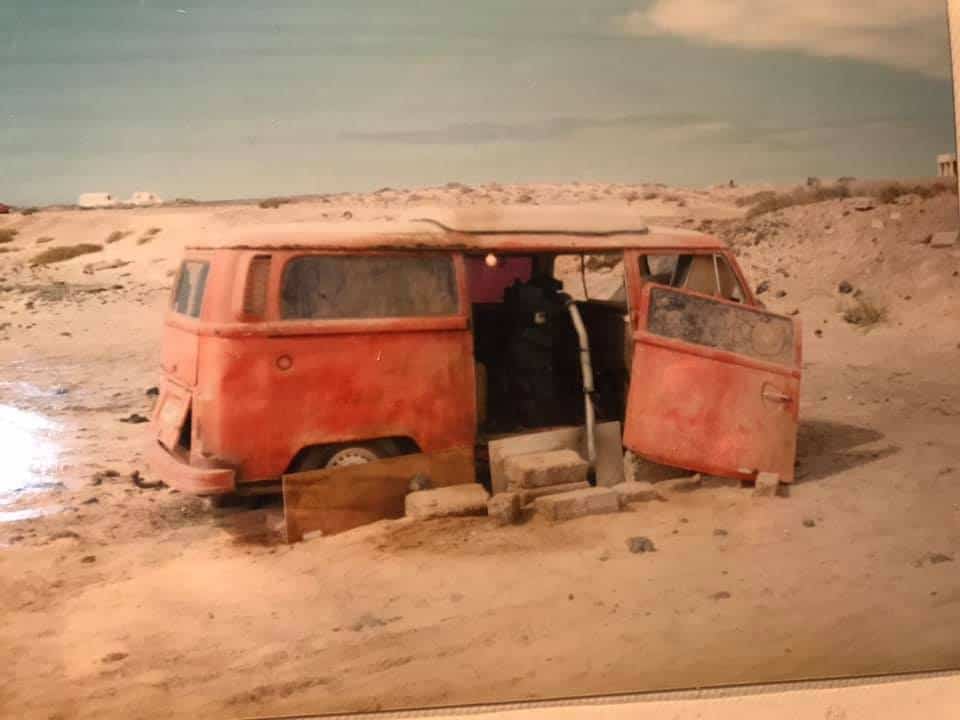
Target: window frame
192,300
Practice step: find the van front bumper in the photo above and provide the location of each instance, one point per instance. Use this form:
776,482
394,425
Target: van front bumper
186,478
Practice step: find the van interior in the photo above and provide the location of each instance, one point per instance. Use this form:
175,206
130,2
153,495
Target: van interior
526,346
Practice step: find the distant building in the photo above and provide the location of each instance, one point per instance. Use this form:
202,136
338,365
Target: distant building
947,165
97,200
144,198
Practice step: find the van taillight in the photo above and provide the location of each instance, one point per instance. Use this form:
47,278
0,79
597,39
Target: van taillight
255,292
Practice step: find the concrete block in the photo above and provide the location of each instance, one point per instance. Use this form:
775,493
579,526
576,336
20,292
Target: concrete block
635,492
566,506
534,470
767,484
466,499
944,239
504,508
528,496
680,484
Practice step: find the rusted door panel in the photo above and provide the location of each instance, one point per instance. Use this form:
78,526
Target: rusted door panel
714,387
339,499
170,414
179,353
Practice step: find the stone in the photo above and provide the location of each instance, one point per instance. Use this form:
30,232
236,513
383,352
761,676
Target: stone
640,545
504,508
528,496
454,500
638,469
762,287
844,288
566,506
944,239
767,484
896,216
877,225
680,484
636,491
534,470
863,204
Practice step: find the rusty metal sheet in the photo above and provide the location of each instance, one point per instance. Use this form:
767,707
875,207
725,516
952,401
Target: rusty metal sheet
711,399
339,499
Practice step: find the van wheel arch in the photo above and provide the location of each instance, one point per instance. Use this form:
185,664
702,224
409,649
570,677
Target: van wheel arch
316,457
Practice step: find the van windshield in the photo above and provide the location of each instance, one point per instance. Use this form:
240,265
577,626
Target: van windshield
189,290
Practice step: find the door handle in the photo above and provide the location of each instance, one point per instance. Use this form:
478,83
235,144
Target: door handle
770,394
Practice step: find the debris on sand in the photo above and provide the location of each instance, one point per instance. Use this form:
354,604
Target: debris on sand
722,595
640,544
844,288
114,657
135,418
88,559
720,532
809,522
90,501
933,559
153,391
763,287
138,480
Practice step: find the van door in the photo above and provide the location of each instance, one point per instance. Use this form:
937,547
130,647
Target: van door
715,384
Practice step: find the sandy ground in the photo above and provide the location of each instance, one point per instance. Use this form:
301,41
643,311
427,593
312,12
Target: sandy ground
122,600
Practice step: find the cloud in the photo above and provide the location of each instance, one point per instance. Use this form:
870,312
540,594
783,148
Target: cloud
904,34
482,133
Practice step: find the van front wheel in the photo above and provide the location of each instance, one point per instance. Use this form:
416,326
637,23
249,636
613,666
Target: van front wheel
345,455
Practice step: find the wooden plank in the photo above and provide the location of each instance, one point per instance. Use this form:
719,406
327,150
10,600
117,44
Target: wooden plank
609,466
339,499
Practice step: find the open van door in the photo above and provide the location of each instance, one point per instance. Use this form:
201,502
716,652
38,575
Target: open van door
715,385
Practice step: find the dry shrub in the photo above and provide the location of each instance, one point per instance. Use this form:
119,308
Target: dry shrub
59,254
30,211
798,196
7,235
650,195
865,313
117,235
274,202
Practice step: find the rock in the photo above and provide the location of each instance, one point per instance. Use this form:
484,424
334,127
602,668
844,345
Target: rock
944,239
680,484
635,491
780,293
844,288
818,332
763,287
347,215
528,496
61,390
877,224
114,657
640,544
720,532
88,559
722,595
135,418
152,391
767,484
90,501
534,470
566,506
863,204
794,312
455,500
504,508
809,523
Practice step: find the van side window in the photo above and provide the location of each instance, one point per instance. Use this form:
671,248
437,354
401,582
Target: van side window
709,274
368,286
189,290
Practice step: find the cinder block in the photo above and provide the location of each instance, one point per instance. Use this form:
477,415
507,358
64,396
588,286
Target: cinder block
528,496
466,499
635,492
638,469
681,484
767,484
533,470
504,508
566,506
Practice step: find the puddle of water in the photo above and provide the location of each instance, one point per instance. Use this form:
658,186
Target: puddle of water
29,453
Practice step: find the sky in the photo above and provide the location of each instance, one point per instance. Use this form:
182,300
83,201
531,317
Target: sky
214,99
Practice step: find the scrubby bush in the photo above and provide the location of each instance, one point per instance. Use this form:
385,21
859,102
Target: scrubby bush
865,313
59,254
7,235
797,196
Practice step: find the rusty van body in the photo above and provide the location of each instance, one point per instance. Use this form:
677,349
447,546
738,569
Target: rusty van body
299,349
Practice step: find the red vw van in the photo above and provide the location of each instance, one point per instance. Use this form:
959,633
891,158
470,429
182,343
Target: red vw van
316,347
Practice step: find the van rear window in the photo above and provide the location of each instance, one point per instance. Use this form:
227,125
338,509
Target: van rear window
188,292
365,286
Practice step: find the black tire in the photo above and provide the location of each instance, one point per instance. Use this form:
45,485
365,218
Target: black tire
345,454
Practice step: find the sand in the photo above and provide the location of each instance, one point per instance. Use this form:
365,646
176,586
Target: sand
148,603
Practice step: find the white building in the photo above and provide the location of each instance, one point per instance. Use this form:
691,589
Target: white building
97,200
144,198
947,165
